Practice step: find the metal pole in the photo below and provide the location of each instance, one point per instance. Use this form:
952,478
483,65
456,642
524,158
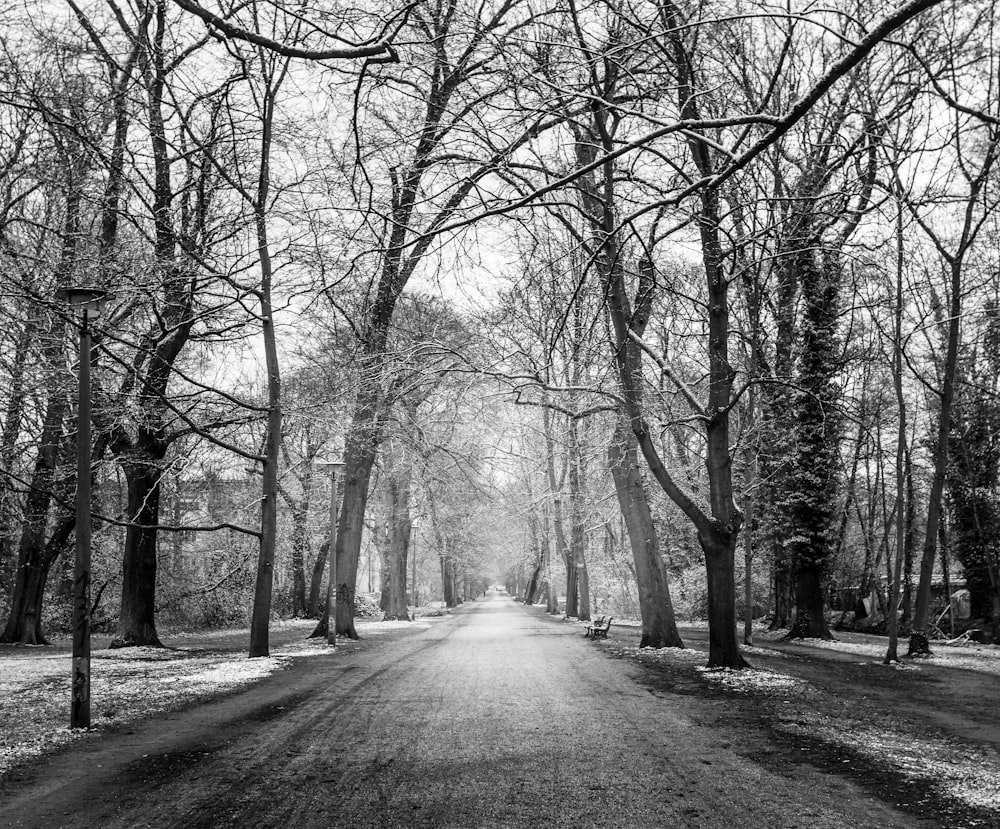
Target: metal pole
331,588
80,708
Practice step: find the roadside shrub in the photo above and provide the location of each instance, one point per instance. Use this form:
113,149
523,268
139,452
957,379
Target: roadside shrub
366,604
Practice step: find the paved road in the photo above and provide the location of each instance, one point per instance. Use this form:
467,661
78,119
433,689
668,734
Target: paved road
496,717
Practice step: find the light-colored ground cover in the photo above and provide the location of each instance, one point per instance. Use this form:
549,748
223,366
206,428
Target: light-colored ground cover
130,684
964,770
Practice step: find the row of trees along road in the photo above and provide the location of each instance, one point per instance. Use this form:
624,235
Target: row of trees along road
590,297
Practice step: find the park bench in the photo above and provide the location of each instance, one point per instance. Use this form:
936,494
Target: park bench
598,629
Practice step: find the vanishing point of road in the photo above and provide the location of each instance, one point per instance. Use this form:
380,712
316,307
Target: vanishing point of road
497,716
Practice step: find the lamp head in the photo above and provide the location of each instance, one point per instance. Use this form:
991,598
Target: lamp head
89,301
331,466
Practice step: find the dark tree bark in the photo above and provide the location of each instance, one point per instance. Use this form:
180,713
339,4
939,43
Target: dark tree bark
531,589
299,508
316,581
12,422
909,543
718,528
300,543
776,450
891,654
812,501
141,446
24,623
448,580
137,619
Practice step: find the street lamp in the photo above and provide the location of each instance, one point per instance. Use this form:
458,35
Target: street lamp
331,586
88,303
414,526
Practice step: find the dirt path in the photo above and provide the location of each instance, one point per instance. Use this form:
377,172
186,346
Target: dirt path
496,717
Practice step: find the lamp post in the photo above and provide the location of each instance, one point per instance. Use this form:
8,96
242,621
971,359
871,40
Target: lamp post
414,526
331,586
88,303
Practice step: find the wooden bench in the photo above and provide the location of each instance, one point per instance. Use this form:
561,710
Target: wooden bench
598,629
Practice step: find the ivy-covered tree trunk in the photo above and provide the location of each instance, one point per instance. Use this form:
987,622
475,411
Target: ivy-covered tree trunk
815,471
776,449
974,482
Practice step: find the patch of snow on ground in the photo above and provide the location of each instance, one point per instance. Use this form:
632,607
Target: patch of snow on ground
754,650
126,685
129,684
983,658
750,679
964,771
661,654
377,628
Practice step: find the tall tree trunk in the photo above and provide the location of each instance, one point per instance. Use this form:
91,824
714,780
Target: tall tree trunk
572,585
718,528
272,76
891,654
447,581
909,543
363,440
748,512
578,534
946,574
534,533
557,518
815,473
140,447
776,444
531,589
919,638
136,621
13,416
397,489
659,627
551,595
316,581
300,542
24,624
775,454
